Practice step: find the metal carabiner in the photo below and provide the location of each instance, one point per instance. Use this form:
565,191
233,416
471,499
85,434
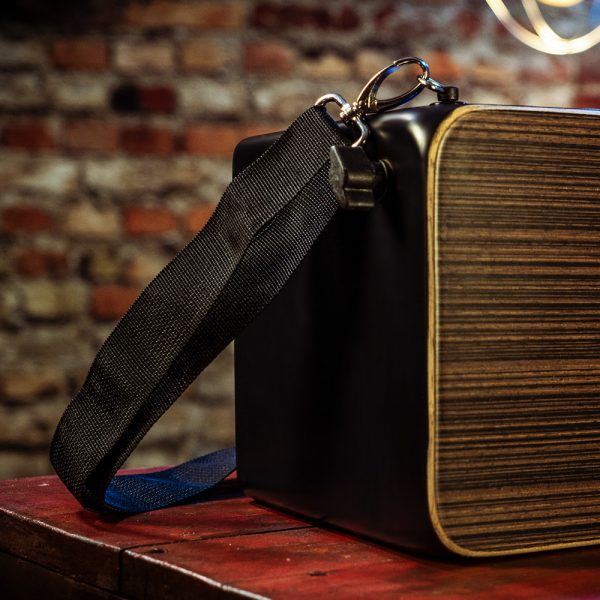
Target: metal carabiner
367,101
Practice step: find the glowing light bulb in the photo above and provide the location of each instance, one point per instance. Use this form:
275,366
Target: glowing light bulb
543,37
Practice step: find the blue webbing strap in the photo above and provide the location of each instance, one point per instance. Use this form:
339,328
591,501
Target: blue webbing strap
266,222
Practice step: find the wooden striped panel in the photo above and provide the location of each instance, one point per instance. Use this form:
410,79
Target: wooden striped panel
517,267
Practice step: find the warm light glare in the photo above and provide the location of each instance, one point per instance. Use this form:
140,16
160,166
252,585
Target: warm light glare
561,3
543,37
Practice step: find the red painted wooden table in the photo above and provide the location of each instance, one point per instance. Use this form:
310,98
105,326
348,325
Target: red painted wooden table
235,548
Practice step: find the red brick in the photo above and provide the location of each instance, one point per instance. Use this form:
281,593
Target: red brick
269,15
327,66
147,140
252,129
215,16
265,16
110,302
469,23
91,135
205,56
34,262
213,139
29,135
501,32
347,19
197,217
158,99
488,73
444,68
269,57
273,16
586,101
83,54
220,139
25,219
198,15
149,221
382,17
144,56
553,71
589,71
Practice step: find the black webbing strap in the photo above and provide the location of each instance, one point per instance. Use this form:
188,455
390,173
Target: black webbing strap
266,222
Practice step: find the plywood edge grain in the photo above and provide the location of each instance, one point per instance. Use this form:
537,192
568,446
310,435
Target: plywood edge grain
432,357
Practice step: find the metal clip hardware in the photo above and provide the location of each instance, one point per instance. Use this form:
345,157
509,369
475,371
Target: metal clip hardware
368,103
357,181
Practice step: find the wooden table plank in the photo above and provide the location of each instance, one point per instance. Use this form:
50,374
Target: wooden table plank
414,580
36,496
43,524
234,548
24,580
313,563
235,562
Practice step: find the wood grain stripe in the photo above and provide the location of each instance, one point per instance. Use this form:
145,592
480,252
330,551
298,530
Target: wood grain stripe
517,412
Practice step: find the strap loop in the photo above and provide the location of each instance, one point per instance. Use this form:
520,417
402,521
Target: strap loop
266,222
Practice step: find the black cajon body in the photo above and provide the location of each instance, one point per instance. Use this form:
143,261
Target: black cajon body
427,377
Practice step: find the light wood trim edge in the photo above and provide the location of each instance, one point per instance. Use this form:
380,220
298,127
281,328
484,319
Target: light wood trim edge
432,322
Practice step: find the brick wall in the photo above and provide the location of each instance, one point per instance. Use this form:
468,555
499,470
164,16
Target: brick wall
117,122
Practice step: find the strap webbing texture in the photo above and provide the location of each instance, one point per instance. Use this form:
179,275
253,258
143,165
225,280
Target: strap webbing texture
266,222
